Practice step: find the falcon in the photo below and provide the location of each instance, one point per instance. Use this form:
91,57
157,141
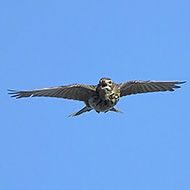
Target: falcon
102,97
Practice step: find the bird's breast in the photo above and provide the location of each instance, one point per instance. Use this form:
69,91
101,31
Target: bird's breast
103,105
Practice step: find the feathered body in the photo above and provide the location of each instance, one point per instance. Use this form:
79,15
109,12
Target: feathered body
102,97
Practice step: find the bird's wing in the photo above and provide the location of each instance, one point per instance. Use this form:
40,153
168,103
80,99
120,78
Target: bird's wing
134,87
74,91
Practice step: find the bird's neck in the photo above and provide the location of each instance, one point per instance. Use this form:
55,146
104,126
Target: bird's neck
104,93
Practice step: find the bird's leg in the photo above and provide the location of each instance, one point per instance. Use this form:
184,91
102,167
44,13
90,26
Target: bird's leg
85,109
116,110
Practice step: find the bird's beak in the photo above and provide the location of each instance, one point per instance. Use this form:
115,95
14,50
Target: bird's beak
103,83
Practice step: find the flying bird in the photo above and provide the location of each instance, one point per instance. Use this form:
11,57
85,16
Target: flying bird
101,97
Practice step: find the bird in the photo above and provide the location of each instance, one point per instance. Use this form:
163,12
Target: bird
101,97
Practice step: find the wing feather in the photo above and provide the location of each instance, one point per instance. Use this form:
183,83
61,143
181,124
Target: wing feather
134,87
75,92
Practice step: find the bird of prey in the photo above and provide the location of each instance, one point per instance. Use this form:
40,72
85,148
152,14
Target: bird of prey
102,97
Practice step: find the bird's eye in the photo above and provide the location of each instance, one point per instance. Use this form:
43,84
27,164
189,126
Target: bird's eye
110,82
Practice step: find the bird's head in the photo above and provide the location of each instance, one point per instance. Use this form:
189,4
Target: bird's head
105,83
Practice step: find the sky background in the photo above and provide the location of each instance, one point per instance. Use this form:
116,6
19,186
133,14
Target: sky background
46,43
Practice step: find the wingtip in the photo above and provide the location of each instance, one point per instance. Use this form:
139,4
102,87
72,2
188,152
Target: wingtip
181,82
14,93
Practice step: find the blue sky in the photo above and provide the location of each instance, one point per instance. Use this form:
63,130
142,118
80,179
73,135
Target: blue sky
53,43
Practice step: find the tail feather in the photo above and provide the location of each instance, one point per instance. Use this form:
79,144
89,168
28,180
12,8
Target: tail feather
85,109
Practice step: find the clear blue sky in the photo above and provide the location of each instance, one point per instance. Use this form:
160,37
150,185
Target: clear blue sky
51,43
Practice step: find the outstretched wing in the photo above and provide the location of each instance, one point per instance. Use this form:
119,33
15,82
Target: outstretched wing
74,91
134,87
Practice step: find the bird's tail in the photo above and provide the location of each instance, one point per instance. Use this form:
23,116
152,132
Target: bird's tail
85,109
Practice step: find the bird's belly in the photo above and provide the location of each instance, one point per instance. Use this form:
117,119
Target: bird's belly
102,105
